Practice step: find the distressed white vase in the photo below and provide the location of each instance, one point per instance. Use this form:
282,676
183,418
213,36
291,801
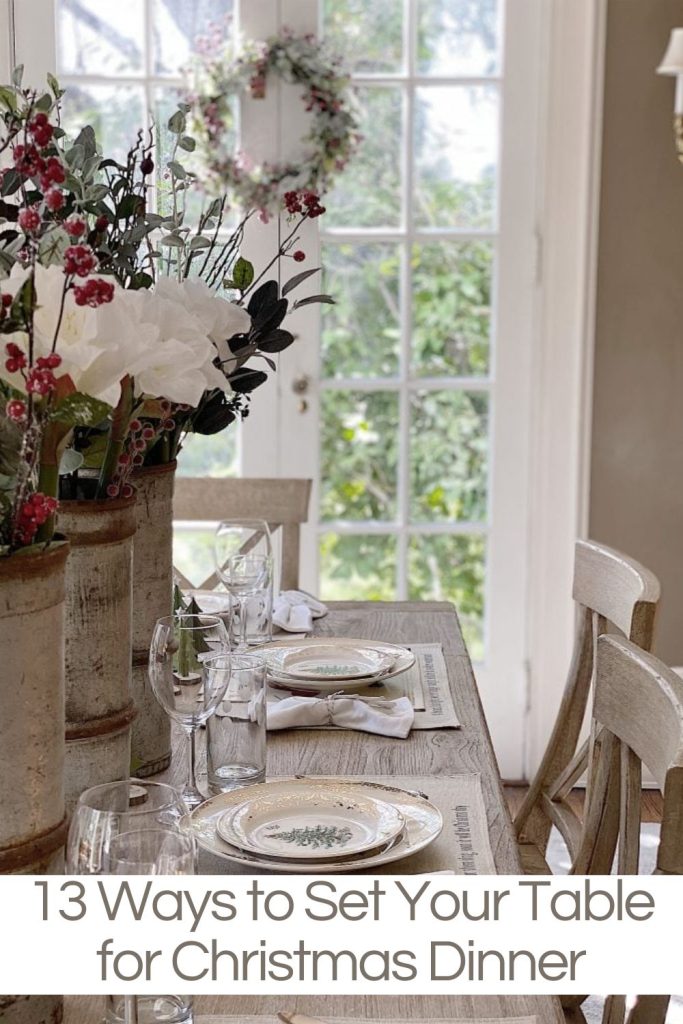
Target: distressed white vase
152,599
32,822
99,706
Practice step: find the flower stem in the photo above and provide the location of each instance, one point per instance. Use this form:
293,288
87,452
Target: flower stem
117,437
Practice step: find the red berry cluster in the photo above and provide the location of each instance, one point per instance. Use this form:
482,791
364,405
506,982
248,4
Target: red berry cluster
75,226
29,219
16,410
79,260
140,438
94,293
41,130
16,358
303,201
35,511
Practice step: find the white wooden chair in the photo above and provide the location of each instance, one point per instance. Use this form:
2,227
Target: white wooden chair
282,503
638,720
613,593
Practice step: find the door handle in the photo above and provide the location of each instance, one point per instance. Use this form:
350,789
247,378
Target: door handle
300,386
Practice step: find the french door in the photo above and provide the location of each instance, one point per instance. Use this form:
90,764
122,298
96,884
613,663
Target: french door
408,401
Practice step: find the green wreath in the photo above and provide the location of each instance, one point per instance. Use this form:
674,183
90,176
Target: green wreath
332,140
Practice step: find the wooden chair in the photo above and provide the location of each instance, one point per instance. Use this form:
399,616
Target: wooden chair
638,719
614,593
282,503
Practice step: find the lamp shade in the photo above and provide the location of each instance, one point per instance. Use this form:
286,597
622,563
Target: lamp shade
672,61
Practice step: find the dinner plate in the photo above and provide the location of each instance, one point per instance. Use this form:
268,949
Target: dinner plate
333,661
322,822
401,660
422,825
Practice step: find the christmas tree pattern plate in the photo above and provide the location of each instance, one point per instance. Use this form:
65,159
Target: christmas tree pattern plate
321,821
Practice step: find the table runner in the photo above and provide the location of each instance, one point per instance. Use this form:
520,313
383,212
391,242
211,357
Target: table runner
426,684
268,1019
463,845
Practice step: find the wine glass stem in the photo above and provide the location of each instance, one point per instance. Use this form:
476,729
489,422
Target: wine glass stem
244,632
191,760
130,1009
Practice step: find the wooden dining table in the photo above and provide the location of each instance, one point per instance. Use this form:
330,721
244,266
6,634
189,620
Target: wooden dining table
434,752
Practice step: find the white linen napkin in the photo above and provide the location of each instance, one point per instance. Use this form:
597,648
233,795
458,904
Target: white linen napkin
348,711
294,611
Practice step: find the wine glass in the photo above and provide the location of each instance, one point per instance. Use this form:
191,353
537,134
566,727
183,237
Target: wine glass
187,694
151,851
104,812
244,562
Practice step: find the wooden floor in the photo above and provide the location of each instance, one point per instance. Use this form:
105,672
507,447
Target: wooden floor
652,801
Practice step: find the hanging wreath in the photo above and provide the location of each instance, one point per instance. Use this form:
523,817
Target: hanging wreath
332,140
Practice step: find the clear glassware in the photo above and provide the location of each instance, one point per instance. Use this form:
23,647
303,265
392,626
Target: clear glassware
240,545
104,812
236,734
151,851
103,815
179,645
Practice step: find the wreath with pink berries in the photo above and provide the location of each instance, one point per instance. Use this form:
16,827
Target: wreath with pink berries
326,93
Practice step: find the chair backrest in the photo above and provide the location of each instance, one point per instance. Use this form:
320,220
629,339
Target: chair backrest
612,591
282,503
638,716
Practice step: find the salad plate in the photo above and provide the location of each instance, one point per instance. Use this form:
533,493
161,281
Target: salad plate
423,823
285,656
320,822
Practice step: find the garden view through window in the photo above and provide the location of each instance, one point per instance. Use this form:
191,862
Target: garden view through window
409,252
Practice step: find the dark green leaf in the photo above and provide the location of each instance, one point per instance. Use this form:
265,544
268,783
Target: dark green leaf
11,182
245,380
298,279
269,317
242,274
276,341
267,294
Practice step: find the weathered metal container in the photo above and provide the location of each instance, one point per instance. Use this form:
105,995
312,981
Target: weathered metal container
152,599
32,822
31,1009
99,706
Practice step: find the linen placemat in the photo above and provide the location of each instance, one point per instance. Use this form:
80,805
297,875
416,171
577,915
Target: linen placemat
463,846
425,684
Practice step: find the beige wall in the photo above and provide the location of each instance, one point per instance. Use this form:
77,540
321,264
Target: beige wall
636,499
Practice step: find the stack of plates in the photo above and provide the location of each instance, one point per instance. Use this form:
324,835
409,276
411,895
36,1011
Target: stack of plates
316,825
333,664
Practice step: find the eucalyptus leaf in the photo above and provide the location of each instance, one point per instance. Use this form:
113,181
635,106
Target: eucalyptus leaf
44,103
87,139
314,298
70,461
187,143
298,279
8,98
174,241
75,157
53,245
176,123
17,75
96,192
177,169
199,242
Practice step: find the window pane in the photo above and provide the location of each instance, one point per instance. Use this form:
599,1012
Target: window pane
361,332
448,456
451,286
180,27
368,33
210,454
368,192
447,567
458,37
357,568
456,142
116,112
100,37
359,455
193,552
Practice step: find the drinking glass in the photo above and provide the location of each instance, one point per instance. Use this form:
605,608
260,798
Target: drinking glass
102,817
104,812
240,547
151,851
179,645
236,735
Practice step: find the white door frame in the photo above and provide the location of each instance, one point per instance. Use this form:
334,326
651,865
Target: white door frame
563,373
